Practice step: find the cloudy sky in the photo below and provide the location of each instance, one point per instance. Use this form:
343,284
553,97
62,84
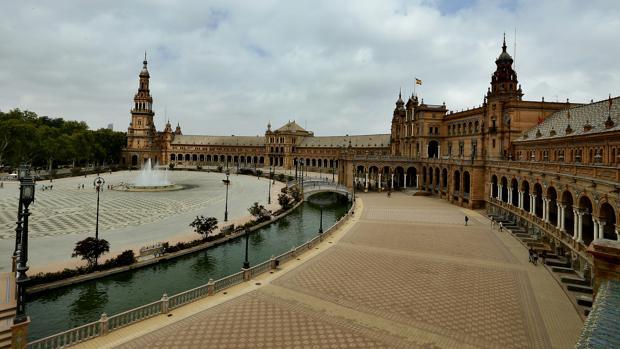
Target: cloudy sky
230,67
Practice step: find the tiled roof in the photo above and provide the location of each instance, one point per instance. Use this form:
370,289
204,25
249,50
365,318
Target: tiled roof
219,140
595,115
291,126
361,141
602,327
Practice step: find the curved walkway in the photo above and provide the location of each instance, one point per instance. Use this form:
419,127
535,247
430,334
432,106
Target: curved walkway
403,273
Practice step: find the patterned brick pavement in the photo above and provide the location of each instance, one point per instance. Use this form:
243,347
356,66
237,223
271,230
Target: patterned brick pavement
412,279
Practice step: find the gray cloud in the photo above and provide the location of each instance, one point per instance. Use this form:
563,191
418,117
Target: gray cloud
227,67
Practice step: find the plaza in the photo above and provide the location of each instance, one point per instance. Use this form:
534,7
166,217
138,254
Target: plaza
403,272
63,215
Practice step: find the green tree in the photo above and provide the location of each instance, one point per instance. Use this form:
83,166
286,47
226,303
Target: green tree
259,212
204,225
285,201
90,249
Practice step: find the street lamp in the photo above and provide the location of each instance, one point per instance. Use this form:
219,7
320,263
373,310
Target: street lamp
354,180
98,182
296,162
26,197
269,193
22,172
227,182
246,263
321,220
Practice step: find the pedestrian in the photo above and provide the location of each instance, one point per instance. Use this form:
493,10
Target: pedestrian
501,226
82,185
535,257
543,256
466,220
531,255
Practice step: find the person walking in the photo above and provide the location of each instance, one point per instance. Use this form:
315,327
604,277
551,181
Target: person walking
466,220
535,257
531,255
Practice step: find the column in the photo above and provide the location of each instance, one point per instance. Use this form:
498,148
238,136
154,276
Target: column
560,222
392,186
490,190
533,204
510,195
405,184
499,192
366,183
380,181
546,210
520,199
617,233
580,229
575,223
417,181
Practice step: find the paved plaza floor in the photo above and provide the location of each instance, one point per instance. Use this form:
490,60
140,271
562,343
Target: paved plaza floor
403,273
128,220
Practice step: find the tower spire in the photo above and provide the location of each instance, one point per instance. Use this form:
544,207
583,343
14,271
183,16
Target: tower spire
504,45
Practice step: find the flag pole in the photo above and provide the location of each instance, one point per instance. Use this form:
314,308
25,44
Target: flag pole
414,83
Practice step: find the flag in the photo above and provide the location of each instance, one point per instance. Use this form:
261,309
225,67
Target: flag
418,81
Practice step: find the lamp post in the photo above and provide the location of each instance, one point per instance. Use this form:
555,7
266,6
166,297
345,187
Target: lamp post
334,173
246,263
296,162
98,182
227,182
354,180
269,193
22,172
321,220
26,195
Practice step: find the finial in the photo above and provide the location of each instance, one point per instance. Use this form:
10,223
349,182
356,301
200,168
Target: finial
504,45
400,90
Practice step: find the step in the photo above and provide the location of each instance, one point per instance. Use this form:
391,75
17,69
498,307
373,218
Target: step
574,280
553,262
523,235
563,270
584,300
579,288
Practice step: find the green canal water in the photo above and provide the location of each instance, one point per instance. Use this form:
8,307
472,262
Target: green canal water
62,309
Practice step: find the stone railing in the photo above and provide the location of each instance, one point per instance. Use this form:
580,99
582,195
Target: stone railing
107,324
541,225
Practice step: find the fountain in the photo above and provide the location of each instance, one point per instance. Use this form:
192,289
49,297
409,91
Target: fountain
151,178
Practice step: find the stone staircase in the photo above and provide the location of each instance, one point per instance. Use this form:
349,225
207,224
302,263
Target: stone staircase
576,287
7,308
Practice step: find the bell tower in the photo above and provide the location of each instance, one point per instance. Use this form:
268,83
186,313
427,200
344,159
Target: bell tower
504,90
141,135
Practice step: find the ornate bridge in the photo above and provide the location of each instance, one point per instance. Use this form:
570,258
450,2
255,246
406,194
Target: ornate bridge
315,186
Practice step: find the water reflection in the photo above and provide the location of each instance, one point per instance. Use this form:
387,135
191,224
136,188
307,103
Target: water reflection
256,238
91,299
204,263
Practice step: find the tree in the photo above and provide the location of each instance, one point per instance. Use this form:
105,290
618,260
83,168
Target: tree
296,193
90,249
204,225
259,212
284,201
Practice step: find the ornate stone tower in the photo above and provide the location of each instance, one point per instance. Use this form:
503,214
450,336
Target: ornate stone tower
504,89
398,126
142,142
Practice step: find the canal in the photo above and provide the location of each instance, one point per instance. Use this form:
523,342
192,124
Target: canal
64,308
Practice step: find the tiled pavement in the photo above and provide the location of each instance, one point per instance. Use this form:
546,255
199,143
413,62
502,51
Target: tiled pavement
406,274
